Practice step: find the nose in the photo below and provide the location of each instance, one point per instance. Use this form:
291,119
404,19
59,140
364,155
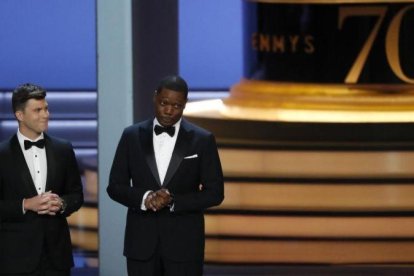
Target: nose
168,110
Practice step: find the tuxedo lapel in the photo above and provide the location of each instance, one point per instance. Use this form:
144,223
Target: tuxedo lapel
145,136
51,163
21,167
183,140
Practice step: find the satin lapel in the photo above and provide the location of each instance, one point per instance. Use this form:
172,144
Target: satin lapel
21,166
145,136
180,149
51,163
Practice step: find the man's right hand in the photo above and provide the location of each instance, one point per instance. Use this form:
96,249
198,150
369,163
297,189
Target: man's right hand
157,200
42,204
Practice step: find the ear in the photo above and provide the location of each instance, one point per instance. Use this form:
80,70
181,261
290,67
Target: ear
19,115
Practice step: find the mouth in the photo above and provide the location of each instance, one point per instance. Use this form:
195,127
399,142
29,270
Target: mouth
166,119
167,124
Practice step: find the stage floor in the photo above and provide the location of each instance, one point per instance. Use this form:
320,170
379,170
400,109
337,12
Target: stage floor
285,270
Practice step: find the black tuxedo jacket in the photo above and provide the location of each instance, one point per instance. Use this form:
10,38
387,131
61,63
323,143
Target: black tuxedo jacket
24,236
195,160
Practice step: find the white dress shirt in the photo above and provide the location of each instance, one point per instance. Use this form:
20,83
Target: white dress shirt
163,148
36,162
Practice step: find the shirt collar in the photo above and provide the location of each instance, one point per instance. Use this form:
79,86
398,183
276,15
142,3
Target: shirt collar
176,125
21,138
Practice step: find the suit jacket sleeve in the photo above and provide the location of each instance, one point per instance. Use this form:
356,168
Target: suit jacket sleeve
119,187
9,208
73,190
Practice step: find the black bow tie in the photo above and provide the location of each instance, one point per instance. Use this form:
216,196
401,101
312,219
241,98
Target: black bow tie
169,130
39,143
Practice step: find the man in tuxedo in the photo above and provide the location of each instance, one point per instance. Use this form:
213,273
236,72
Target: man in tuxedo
40,186
167,171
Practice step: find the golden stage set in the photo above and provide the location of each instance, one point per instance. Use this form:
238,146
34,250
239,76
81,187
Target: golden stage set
316,141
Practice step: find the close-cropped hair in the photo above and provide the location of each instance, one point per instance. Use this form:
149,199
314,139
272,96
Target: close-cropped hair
25,92
175,83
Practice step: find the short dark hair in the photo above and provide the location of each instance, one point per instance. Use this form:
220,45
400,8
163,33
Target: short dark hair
25,92
173,82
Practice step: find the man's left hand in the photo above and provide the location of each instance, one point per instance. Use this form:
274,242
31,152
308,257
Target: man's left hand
160,199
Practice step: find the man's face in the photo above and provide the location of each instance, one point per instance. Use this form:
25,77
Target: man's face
169,106
33,120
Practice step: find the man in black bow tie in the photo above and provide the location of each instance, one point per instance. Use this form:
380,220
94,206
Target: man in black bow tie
40,186
159,166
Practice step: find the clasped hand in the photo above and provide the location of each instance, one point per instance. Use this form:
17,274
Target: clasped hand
157,200
45,204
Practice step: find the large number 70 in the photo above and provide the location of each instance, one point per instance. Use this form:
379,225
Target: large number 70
391,40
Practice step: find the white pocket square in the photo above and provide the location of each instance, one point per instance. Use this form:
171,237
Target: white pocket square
191,156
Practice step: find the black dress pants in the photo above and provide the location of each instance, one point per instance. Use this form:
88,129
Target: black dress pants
45,268
158,265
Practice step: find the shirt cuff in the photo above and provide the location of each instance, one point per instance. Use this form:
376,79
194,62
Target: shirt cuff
172,203
172,207
24,211
143,208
